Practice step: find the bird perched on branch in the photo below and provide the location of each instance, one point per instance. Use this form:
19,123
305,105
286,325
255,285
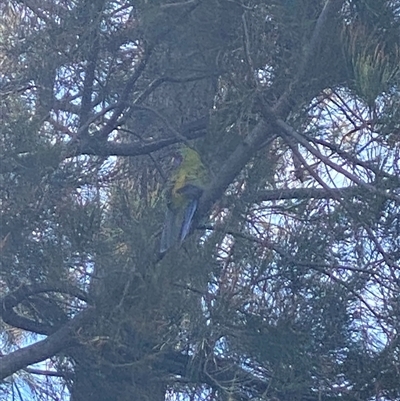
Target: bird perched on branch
186,187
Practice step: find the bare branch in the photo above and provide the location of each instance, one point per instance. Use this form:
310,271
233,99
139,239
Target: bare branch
10,301
60,340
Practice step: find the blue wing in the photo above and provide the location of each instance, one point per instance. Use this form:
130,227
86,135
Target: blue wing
187,218
178,218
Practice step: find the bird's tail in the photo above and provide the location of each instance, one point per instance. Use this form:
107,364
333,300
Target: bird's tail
170,233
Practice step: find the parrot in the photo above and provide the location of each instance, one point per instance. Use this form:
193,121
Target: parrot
185,189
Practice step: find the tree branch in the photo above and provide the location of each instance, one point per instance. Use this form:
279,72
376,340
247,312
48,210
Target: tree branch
263,131
192,130
299,138
285,102
90,70
60,340
10,301
307,193
232,167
